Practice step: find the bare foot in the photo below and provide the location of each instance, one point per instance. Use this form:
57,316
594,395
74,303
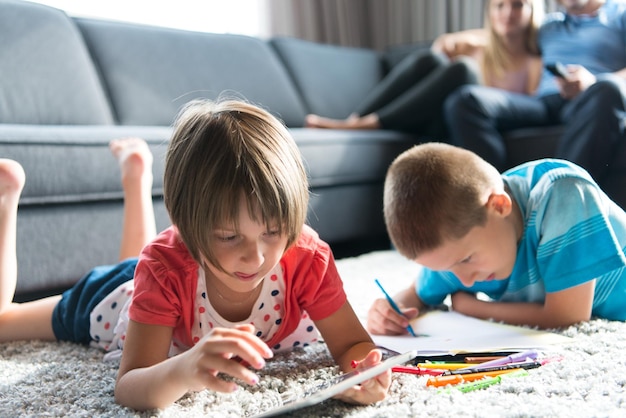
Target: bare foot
135,159
12,180
138,226
354,121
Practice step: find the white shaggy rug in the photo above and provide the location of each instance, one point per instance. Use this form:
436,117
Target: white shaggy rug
60,379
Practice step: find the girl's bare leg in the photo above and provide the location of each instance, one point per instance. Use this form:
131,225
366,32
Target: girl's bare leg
139,227
31,320
370,121
11,184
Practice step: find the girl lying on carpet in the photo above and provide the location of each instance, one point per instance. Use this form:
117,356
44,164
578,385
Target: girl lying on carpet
541,240
238,273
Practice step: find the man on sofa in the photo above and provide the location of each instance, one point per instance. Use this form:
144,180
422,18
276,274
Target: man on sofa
589,98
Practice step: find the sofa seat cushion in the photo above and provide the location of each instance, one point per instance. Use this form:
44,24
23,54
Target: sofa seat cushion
73,164
71,210
333,80
47,76
530,144
337,158
333,158
152,72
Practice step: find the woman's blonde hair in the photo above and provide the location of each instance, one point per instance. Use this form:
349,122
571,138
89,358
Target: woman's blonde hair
224,151
436,192
496,59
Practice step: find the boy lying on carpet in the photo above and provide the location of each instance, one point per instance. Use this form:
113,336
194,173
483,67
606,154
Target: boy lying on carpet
238,273
541,240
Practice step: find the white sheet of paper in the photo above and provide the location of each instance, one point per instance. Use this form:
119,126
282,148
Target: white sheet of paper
442,332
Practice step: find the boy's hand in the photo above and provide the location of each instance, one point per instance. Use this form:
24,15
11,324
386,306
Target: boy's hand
371,390
382,319
223,351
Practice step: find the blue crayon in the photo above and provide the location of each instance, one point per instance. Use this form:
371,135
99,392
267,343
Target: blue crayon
394,306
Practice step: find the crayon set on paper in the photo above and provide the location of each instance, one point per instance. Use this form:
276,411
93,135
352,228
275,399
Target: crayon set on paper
468,377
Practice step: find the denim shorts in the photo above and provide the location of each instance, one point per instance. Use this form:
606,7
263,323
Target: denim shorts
70,318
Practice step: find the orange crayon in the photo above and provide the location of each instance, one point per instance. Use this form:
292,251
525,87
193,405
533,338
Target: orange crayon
455,379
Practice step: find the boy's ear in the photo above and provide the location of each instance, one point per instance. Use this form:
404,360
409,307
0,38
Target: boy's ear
501,203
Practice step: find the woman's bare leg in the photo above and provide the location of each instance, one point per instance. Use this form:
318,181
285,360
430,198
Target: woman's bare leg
31,320
370,121
139,227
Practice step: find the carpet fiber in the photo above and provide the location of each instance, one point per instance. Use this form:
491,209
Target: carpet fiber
61,379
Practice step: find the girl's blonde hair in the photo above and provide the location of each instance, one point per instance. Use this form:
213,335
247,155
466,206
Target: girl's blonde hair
224,151
496,59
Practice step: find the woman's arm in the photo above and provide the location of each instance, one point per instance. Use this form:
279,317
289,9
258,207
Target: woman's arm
535,69
467,43
560,309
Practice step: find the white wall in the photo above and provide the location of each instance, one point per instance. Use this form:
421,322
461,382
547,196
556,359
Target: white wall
248,17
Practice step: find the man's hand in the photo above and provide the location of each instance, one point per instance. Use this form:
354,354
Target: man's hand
578,80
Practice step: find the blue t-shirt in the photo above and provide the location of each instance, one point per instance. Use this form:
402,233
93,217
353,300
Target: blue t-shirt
596,42
573,233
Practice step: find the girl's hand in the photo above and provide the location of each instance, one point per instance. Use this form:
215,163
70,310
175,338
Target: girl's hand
372,390
149,379
382,319
224,351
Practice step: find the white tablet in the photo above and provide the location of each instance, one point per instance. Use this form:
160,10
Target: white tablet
335,386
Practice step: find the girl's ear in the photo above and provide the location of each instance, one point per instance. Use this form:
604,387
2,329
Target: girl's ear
501,203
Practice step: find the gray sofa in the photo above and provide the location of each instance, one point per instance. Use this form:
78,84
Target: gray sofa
70,85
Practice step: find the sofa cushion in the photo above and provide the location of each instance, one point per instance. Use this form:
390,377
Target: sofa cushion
70,213
529,144
332,80
73,164
47,76
346,172
151,72
345,157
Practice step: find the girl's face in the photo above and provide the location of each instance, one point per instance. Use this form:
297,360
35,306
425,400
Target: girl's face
248,254
485,253
510,17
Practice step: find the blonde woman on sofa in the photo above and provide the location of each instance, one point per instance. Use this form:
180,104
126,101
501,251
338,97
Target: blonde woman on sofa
237,277
410,98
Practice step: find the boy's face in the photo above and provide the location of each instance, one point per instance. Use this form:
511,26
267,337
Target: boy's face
486,253
247,254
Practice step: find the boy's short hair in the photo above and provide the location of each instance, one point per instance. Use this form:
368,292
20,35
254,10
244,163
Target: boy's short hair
436,192
223,151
